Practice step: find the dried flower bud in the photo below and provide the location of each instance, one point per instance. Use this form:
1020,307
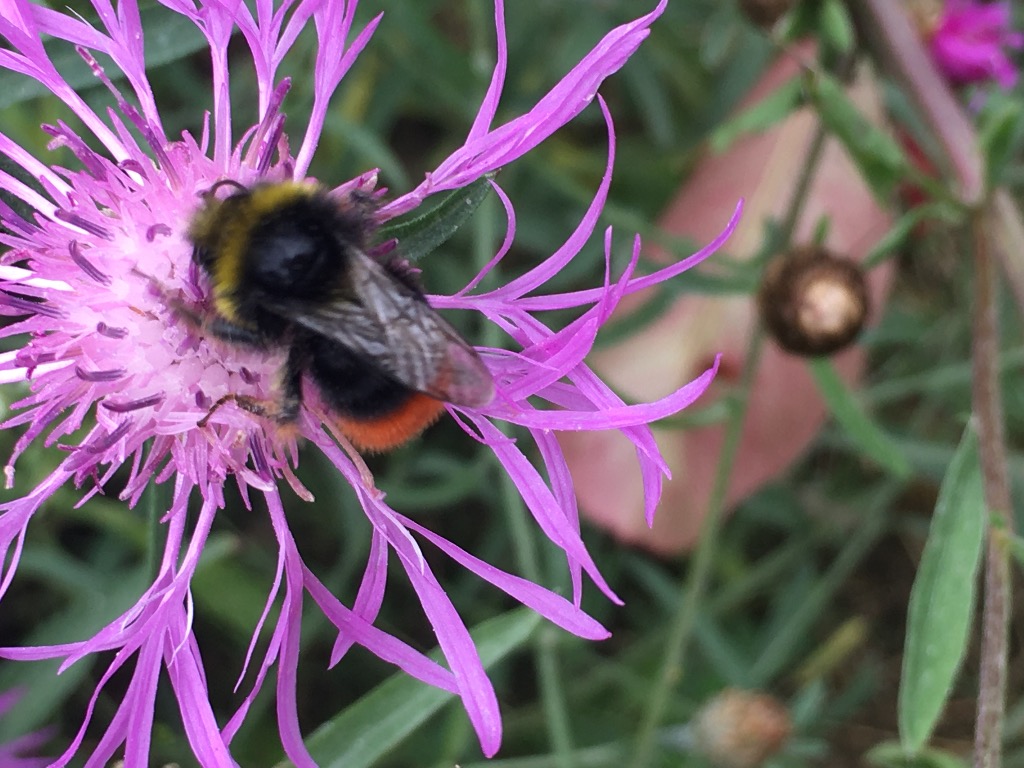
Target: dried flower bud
813,302
764,13
741,729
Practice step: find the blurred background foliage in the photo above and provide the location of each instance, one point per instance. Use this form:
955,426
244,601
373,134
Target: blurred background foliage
810,580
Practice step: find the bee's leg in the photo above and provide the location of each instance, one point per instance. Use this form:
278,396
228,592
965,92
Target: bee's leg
171,299
245,402
185,312
284,411
235,334
218,326
291,385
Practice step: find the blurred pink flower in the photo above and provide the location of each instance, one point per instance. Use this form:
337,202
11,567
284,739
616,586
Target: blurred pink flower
104,352
970,42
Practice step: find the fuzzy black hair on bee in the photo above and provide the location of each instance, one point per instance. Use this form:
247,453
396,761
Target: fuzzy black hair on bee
288,269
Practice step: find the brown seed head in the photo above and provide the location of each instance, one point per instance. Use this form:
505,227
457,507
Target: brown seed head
741,729
813,302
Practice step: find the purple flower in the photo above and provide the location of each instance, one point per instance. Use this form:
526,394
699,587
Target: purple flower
78,282
970,42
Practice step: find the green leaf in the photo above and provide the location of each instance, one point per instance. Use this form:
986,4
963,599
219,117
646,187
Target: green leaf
904,227
1017,550
799,22
105,596
999,134
835,26
169,37
226,590
771,109
889,754
942,598
425,233
719,36
390,712
46,691
877,156
859,427
821,228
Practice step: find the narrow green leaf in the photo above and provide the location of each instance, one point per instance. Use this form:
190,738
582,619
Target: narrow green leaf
46,691
390,712
877,156
889,754
836,26
999,134
858,425
759,117
799,22
942,598
719,36
821,228
420,236
228,592
904,227
807,704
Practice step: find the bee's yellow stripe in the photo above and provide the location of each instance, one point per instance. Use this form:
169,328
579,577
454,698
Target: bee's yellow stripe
234,234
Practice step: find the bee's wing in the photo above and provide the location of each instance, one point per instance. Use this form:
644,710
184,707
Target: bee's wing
381,319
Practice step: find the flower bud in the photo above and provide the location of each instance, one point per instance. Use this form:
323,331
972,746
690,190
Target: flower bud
812,302
741,729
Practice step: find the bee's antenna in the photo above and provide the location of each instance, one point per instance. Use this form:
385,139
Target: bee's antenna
224,183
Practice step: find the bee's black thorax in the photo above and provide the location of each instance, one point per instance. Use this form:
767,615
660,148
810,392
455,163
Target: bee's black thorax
301,250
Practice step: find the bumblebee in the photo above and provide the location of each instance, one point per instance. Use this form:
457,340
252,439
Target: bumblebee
288,269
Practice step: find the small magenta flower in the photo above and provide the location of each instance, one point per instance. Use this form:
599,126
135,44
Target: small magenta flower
970,41
107,354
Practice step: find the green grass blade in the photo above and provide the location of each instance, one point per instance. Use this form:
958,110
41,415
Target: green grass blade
859,427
